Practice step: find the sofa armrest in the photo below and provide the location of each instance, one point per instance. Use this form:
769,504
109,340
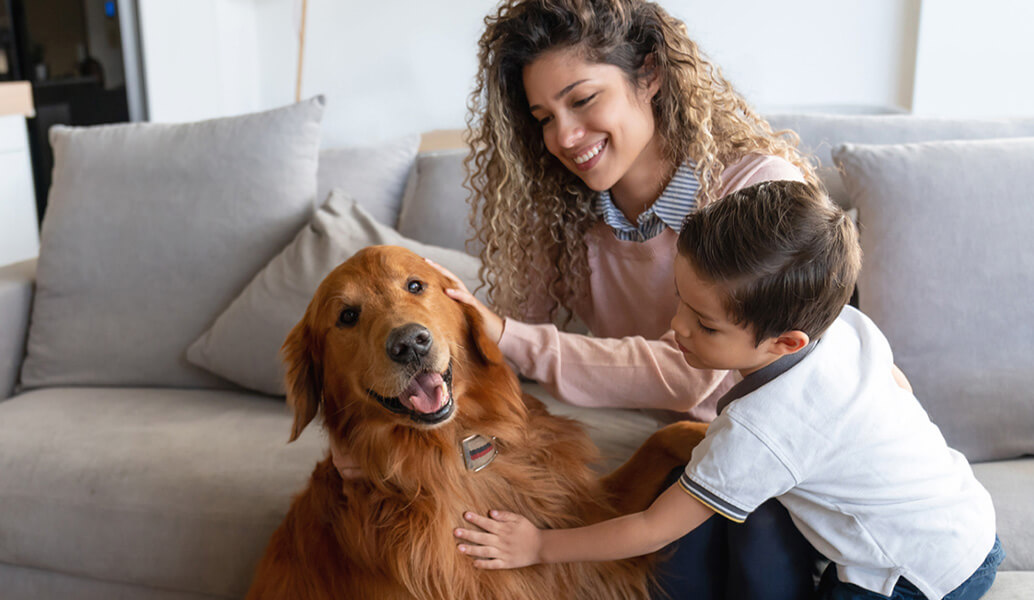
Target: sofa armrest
16,288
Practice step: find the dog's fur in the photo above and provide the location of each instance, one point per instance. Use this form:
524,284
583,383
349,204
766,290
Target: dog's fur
388,534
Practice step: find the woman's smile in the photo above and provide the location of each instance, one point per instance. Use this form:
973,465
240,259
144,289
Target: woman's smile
589,158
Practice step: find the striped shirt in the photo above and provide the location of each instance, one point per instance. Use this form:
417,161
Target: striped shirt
675,202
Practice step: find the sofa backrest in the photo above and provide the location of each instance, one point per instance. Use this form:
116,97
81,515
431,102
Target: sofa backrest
434,208
821,133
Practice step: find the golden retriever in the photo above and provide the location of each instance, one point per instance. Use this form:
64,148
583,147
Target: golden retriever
408,385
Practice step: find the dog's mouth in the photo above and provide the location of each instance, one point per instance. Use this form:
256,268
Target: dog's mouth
426,400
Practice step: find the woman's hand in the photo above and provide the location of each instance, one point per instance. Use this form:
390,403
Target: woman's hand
493,323
508,541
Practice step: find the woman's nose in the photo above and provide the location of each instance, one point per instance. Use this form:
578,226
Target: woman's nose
569,132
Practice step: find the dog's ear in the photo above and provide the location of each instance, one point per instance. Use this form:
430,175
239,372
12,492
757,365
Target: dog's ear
485,350
304,377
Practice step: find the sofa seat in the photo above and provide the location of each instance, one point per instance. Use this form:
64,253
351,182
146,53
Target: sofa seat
168,489
1011,484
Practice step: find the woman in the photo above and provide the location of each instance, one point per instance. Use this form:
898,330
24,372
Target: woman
595,126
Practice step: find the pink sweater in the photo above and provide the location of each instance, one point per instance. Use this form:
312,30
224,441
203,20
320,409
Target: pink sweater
632,360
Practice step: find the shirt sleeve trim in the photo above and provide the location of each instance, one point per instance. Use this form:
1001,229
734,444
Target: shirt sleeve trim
727,510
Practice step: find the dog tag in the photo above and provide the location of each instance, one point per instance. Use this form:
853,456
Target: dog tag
478,451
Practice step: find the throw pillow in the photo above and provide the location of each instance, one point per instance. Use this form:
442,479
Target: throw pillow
151,230
946,230
243,345
821,133
435,209
374,175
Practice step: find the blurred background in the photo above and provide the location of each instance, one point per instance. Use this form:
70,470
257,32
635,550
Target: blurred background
394,67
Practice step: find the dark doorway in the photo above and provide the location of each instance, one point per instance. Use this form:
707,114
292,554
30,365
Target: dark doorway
71,52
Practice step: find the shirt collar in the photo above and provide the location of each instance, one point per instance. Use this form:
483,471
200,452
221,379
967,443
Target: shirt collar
674,203
764,375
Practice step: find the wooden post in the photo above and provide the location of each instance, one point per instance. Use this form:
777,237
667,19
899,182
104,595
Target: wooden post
301,52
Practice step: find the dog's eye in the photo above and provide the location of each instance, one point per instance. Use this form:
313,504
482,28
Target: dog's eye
415,286
348,317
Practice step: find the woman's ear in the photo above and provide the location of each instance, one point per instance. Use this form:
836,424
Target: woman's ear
304,377
651,76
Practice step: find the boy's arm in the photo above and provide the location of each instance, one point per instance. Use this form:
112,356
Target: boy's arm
510,541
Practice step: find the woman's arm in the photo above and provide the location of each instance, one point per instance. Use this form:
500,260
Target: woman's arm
629,372
510,541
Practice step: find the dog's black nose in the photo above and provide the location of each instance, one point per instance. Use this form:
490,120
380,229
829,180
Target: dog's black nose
409,343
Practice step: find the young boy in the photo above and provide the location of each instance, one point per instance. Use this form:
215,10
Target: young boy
817,422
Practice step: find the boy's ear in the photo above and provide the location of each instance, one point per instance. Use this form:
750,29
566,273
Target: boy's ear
790,342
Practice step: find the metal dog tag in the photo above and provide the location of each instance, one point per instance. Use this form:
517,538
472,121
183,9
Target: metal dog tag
478,451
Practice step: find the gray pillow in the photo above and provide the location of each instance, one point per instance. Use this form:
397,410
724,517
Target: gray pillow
151,230
434,208
821,133
243,345
946,228
374,175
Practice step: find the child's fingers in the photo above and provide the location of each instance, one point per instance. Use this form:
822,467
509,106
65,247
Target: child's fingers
490,564
489,525
503,516
475,536
479,551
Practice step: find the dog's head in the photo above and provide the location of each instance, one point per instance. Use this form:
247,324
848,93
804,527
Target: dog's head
382,340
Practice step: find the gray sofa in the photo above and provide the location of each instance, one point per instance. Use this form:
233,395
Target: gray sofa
123,476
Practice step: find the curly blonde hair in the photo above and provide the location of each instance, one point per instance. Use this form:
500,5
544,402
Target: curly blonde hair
530,213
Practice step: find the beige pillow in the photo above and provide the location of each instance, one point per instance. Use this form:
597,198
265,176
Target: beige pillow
151,229
243,345
948,276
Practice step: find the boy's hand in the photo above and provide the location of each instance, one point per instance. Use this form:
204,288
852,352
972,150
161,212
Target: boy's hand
509,541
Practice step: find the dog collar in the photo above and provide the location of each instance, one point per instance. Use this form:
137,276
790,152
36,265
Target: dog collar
478,451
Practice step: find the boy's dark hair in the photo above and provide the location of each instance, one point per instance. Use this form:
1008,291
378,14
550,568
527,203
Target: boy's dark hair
785,254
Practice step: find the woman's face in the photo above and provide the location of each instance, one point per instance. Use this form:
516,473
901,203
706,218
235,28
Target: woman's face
599,125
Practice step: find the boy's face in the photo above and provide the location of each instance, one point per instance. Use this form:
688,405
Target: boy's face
706,336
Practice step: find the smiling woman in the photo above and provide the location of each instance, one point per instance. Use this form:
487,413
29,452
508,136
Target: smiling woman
595,127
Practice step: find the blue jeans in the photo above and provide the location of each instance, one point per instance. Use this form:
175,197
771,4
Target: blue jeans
763,558
976,586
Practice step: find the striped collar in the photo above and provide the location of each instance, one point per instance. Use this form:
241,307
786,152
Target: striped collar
674,203
758,378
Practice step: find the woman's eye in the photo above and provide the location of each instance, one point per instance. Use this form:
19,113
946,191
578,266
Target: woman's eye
584,101
544,121
348,317
415,287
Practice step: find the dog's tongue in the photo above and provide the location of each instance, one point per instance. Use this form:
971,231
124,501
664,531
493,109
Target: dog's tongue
426,393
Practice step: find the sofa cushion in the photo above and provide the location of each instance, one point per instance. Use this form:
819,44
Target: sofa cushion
434,208
171,489
151,230
1011,483
821,133
948,275
374,175
243,345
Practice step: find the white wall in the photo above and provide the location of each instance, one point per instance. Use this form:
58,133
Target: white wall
793,53
397,66
394,67
976,59
200,58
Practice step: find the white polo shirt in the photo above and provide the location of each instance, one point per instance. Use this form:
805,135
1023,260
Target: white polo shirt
864,474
